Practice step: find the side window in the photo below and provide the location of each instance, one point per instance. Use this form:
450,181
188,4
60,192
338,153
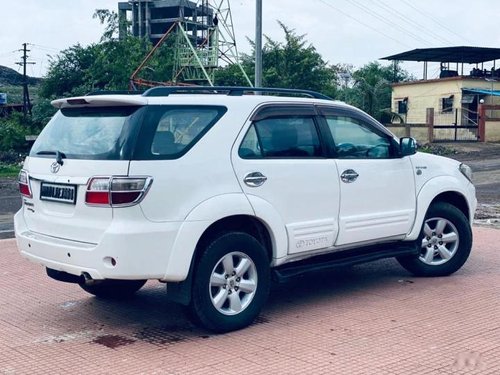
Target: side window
354,139
168,132
250,147
177,128
288,137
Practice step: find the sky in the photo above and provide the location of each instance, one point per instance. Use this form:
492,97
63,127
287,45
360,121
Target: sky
343,31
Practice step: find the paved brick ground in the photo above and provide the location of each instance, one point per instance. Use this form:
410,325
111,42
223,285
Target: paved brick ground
370,319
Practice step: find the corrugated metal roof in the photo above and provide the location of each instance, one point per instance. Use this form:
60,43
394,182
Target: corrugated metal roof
485,92
470,55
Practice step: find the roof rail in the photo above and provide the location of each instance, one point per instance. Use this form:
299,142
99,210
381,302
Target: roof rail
231,91
115,92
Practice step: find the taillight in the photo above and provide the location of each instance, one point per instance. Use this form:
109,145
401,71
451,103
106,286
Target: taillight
24,184
98,191
127,190
116,191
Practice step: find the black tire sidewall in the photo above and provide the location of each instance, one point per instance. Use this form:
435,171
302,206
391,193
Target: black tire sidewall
461,223
201,303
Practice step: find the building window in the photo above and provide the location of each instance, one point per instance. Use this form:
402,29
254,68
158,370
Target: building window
402,106
467,99
447,104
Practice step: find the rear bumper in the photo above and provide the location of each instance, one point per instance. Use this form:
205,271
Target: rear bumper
141,250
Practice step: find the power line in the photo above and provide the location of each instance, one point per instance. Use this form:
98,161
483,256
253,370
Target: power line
48,50
364,24
435,20
403,17
387,21
45,47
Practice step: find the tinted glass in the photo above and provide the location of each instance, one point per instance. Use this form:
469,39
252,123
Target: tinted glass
168,132
250,147
355,139
294,137
86,133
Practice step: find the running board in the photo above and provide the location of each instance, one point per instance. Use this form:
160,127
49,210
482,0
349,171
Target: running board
284,273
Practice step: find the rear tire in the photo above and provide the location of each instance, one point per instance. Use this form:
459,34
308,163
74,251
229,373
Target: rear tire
445,242
114,289
231,283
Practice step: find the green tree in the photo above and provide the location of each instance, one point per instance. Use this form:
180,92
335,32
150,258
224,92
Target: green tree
13,131
107,65
296,64
119,58
231,75
115,61
369,87
67,73
41,114
110,20
293,63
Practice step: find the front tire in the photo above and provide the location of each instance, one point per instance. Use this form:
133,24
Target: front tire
445,242
231,282
113,289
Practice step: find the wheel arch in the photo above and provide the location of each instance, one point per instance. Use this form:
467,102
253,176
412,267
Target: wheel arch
213,217
236,223
181,291
442,189
456,199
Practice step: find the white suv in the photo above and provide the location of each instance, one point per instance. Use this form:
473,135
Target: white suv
216,192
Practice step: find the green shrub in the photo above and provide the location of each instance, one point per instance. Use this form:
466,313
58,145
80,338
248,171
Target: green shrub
12,135
7,170
12,157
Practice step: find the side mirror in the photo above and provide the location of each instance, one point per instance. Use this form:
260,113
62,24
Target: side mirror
407,146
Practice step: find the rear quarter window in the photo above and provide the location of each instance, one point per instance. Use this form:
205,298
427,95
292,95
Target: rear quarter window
168,132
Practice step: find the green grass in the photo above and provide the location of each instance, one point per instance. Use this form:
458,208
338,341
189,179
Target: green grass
15,93
7,170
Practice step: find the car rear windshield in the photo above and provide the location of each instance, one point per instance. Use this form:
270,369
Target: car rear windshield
125,133
89,133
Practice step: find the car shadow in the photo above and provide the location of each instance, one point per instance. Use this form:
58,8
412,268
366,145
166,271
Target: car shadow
150,317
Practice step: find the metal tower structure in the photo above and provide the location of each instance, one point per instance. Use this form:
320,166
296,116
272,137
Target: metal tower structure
202,33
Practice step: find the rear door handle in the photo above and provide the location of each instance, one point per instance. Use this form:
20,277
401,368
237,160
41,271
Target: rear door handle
254,179
349,175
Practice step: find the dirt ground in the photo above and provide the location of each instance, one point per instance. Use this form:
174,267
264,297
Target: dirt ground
483,158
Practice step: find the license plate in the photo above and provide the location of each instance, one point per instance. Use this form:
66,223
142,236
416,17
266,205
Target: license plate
58,192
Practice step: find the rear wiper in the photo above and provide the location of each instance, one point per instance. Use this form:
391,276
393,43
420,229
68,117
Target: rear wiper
59,155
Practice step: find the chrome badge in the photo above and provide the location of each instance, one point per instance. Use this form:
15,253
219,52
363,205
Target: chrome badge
54,167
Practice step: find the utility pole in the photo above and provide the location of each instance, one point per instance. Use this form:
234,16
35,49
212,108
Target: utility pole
258,44
26,95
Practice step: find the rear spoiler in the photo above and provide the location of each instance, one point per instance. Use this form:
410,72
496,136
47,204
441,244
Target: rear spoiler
100,101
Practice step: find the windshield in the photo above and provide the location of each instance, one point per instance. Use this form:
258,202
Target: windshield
87,133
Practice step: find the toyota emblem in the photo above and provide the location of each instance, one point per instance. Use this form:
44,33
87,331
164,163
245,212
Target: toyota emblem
54,167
